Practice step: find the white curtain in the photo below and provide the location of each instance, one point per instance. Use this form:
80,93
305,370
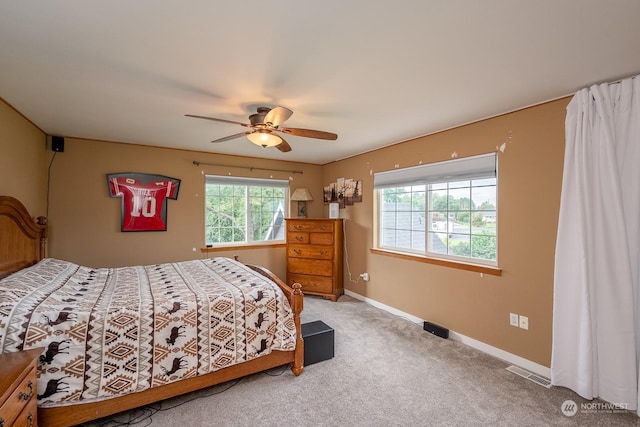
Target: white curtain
596,311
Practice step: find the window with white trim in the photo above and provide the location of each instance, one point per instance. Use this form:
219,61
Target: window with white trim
442,210
244,210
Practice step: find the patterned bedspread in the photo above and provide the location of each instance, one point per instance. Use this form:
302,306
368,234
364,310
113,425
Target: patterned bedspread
111,331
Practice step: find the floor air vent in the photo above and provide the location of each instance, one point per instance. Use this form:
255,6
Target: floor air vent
530,376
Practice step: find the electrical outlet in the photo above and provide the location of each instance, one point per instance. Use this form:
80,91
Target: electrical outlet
365,277
524,322
513,319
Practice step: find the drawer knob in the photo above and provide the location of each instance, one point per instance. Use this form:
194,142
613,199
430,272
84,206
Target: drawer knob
296,227
26,396
30,418
299,238
297,251
323,252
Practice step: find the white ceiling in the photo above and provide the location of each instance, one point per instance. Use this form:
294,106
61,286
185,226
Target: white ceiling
374,72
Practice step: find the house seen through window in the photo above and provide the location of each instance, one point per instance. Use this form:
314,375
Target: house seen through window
443,210
244,210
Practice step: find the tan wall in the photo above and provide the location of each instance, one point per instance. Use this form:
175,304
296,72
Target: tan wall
23,160
529,183
85,222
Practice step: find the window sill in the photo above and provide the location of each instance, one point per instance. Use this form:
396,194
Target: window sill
242,247
478,268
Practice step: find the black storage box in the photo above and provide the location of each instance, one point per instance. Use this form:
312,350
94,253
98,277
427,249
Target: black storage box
318,342
436,330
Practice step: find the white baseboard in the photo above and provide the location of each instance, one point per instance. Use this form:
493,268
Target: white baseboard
479,345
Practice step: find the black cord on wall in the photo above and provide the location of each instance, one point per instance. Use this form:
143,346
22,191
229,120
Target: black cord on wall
49,182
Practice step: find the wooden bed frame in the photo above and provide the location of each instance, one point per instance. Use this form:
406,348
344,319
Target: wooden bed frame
23,243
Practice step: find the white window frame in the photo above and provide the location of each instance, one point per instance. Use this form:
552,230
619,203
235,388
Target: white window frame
277,224
416,182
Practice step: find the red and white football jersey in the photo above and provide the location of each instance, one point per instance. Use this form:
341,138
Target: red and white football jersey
144,199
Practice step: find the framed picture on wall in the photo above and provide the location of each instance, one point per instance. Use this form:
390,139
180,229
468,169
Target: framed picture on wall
144,199
345,192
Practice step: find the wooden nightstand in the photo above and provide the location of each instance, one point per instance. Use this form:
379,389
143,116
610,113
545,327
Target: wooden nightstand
18,401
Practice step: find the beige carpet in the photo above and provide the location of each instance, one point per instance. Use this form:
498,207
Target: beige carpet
386,371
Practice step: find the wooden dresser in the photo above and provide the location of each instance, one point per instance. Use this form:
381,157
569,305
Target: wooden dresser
314,256
18,402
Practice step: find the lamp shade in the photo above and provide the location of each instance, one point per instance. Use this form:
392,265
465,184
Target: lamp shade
301,195
264,138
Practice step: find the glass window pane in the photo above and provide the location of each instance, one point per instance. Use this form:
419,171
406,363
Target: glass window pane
404,203
403,239
438,220
403,220
388,194
388,237
460,245
483,222
389,219
483,198
418,240
438,243
459,199
418,221
483,247
460,223
438,200
419,201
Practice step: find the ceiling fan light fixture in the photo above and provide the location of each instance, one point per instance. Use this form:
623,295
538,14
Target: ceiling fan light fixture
264,123
264,138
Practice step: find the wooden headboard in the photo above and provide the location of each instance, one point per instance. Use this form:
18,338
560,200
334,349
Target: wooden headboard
22,240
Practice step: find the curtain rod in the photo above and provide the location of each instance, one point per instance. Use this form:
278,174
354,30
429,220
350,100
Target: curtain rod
251,168
616,81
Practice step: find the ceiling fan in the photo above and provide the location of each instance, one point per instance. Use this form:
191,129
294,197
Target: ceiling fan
263,127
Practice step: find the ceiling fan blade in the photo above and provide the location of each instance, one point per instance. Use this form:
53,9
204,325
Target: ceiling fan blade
218,120
227,138
283,146
309,133
277,115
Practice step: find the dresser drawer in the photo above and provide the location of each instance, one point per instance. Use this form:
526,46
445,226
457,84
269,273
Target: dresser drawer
312,283
310,251
297,237
316,267
29,415
310,226
22,396
321,238
313,238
